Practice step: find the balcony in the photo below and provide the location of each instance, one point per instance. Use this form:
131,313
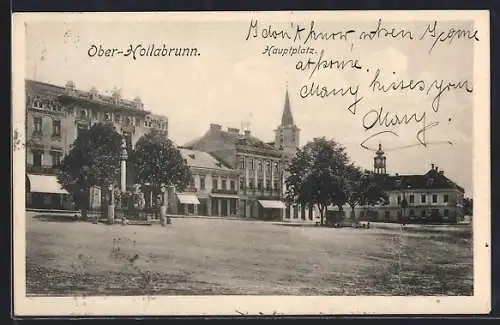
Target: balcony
30,168
224,191
263,192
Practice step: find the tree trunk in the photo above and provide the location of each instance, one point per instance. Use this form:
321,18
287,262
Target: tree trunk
85,201
321,213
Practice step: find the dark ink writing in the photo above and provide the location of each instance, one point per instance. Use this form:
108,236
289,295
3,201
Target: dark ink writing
450,35
321,63
381,31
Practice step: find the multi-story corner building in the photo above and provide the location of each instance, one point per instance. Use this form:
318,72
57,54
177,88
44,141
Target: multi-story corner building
55,116
429,197
213,190
259,166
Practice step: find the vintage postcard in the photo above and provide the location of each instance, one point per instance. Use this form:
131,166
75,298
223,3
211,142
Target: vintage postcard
251,163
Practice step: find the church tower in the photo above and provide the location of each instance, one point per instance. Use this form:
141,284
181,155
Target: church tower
287,133
379,166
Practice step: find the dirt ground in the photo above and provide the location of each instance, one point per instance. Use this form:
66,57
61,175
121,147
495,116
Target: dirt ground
217,257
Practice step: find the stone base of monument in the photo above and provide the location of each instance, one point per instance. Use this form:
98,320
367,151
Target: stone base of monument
111,214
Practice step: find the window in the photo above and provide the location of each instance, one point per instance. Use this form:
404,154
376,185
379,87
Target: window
275,185
423,198
214,183
56,158
310,213
446,212
251,183
117,118
107,117
251,164
260,165
224,184
399,199
37,125
83,113
232,184
202,182
276,168
192,183
268,166
242,163
37,158
268,184
412,198
137,122
435,212
434,198
423,214
242,183
303,212
259,184
128,121
412,213
445,198
56,128
387,214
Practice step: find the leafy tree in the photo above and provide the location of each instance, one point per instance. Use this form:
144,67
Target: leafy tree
361,188
94,159
156,160
315,175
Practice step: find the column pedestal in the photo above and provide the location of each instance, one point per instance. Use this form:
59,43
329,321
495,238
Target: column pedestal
111,214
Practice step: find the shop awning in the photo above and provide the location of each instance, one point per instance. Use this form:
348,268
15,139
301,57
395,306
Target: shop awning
45,184
188,199
270,204
223,195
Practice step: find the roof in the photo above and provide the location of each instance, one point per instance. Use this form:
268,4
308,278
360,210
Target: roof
201,159
245,140
432,180
158,117
287,117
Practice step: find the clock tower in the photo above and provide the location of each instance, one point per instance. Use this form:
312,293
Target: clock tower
379,166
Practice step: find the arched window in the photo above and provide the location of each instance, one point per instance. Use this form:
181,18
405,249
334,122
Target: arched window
83,113
128,121
107,117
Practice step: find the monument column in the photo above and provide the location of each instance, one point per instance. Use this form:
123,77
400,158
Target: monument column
123,167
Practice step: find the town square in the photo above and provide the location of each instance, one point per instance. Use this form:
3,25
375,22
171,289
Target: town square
222,173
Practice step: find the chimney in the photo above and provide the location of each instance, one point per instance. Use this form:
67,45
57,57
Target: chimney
247,133
233,130
397,174
214,126
437,169
441,172
432,166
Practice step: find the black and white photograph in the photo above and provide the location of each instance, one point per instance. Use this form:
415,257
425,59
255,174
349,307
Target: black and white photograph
251,163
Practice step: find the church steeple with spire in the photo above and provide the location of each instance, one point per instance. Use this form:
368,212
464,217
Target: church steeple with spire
287,133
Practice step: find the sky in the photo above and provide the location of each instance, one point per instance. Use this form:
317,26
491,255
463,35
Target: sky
232,82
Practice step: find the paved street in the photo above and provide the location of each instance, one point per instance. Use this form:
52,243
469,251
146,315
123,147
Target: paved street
199,256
